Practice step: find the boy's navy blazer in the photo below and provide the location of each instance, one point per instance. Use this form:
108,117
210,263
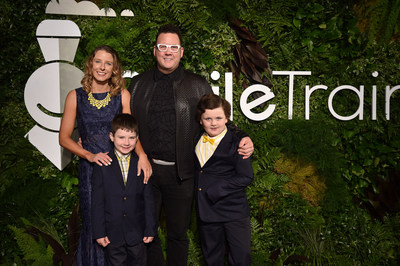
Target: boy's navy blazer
122,212
221,182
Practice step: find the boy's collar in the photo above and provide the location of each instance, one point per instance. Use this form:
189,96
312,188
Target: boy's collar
119,155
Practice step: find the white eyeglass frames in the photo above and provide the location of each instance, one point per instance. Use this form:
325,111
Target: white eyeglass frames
174,48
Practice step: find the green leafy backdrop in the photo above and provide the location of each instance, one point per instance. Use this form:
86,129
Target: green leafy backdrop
325,191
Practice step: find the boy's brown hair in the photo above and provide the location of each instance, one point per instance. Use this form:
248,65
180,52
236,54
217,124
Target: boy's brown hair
124,122
212,101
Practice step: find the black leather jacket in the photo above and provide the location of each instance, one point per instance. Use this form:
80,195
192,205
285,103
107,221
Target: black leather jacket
188,89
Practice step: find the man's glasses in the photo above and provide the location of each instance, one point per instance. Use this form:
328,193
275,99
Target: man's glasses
164,47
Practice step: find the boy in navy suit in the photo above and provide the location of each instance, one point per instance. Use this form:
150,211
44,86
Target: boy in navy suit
123,212
221,178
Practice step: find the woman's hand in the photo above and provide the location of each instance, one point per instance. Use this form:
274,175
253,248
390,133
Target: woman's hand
100,158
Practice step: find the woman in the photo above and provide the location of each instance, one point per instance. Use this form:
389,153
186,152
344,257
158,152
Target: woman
94,105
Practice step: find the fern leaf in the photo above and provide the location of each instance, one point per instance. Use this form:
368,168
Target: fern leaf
35,252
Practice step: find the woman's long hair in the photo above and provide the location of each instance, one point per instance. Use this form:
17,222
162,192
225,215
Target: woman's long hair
116,82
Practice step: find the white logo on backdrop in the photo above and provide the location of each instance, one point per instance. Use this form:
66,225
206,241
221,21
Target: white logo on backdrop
47,87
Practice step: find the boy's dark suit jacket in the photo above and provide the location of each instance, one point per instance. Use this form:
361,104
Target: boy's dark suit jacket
221,182
122,212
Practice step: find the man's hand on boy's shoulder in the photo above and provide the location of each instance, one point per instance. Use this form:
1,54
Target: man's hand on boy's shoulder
246,147
148,239
103,241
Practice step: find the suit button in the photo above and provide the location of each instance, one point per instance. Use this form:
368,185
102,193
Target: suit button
201,171
124,214
199,189
124,198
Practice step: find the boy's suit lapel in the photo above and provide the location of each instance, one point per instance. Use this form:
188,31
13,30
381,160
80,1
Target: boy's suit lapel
132,172
116,168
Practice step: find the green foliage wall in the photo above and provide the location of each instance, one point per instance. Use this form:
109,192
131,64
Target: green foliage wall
317,36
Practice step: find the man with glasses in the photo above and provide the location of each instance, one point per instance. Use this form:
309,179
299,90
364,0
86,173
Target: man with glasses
164,101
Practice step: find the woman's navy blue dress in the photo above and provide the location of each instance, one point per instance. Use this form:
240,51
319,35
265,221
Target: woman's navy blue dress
94,127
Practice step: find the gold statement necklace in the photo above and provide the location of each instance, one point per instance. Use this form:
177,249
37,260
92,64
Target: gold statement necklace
99,103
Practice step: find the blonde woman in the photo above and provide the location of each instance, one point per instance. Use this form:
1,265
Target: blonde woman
93,106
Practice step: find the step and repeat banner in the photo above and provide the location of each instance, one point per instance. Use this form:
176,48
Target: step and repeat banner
48,86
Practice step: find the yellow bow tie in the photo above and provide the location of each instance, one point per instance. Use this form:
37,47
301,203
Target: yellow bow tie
206,138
